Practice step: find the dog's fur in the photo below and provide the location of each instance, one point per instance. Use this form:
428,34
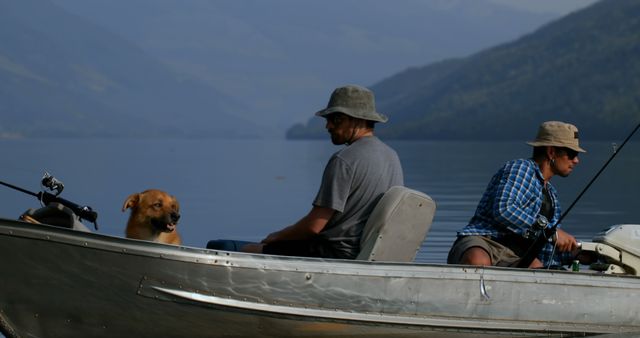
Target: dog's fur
154,217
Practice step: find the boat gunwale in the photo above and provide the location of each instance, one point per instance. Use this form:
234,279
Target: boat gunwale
91,240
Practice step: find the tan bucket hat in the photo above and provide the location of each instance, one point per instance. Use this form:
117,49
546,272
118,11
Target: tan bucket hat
354,101
557,134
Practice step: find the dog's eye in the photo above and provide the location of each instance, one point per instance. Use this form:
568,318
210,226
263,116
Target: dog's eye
157,205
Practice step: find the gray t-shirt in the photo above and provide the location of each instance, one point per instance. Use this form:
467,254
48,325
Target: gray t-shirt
353,181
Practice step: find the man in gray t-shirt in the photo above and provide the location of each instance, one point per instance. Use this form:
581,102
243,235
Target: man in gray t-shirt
353,181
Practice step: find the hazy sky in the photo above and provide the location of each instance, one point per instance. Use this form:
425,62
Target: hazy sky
278,59
546,6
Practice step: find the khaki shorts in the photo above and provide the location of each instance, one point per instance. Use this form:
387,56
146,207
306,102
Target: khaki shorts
500,255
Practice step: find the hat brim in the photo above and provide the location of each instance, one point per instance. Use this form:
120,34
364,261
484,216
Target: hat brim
370,116
556,144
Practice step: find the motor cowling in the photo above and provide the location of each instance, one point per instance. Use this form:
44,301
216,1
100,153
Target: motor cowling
54,214
619,247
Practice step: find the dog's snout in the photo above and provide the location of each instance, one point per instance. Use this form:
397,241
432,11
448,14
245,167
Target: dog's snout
175,216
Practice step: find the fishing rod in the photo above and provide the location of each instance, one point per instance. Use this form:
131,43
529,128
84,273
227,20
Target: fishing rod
543,234
615,152
50,182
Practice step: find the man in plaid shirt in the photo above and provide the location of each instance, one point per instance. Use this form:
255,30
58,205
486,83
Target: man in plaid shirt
519,197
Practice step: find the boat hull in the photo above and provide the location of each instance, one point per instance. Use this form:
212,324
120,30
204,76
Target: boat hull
64,283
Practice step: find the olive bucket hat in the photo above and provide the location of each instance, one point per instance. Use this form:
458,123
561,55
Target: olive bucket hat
557,134
354,101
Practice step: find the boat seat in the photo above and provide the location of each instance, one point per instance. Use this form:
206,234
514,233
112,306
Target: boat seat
397,226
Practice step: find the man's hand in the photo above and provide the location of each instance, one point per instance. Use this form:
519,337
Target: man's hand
565,242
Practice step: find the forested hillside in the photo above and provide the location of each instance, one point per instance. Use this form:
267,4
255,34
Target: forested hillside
583,68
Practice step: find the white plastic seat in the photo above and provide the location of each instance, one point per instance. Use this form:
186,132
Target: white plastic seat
397,226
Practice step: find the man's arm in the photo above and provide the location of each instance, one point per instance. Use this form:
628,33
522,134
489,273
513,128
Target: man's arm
307,227
510,206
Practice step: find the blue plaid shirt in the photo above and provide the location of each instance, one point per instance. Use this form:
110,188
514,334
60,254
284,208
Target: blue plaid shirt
511,204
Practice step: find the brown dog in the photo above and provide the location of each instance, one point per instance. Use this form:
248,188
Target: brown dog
154,216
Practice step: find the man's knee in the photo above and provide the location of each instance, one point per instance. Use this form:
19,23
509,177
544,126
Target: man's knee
476,256
536,264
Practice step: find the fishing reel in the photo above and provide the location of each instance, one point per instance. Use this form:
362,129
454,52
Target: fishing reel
539,234
56,186
52,183
537,229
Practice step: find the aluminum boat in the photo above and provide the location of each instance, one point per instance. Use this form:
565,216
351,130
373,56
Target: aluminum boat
65,282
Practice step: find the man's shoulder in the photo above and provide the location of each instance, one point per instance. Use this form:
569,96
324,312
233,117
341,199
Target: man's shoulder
370,153
521,170
372,143
364,146
520,164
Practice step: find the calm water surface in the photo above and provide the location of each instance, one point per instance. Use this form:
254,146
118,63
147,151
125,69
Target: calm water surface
245,189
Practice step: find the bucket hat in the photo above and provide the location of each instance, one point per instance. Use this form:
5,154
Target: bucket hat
354,101
557,134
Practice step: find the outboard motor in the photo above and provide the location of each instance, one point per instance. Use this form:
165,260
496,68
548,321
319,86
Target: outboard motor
618,249
54,214
55,210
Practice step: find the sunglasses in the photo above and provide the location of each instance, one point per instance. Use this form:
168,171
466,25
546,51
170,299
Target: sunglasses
336,118
571,154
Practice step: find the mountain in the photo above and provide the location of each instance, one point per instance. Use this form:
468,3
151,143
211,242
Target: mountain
61,75
282,57
583,68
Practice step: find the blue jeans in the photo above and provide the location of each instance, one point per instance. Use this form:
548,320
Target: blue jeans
226,244
301,248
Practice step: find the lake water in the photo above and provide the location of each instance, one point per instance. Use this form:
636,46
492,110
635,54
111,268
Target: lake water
245,189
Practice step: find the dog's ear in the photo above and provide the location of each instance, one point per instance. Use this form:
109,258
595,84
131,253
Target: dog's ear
131,201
